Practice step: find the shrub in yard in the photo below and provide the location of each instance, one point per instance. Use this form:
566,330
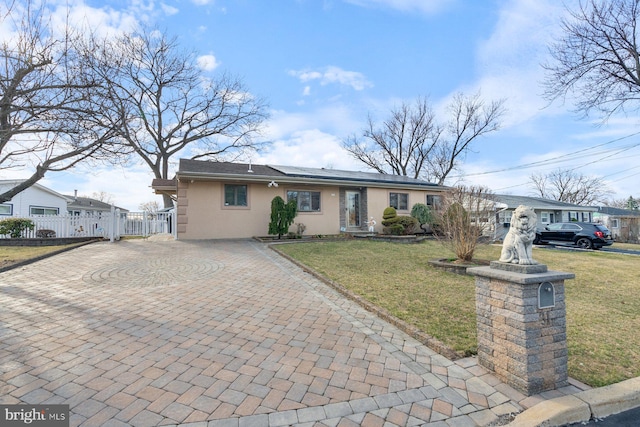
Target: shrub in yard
395,229
388,213
15,227
282,215
423,214
465,219
400,225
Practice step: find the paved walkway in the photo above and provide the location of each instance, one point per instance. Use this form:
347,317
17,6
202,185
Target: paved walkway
222,333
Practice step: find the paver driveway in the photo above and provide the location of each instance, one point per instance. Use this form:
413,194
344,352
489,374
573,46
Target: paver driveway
219,333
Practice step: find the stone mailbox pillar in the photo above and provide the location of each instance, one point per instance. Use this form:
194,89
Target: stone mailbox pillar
521,325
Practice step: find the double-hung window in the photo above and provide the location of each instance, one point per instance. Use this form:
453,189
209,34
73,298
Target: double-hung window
235,195
399,201
308,201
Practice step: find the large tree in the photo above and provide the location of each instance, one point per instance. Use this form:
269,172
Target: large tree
50,101
597,60
570,187
169,106
412,142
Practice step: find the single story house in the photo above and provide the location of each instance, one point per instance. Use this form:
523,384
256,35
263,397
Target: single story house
623,223
35,200
216,200
548,211
78,205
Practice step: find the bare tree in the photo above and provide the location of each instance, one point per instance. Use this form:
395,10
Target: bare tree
570,187
49,101
102,196
597,59
624,203
411,142
466,215
402,144
169,107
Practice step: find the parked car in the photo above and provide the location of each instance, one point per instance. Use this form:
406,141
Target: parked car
582,234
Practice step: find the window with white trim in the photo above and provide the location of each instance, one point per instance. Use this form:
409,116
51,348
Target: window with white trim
614,222
308,201
6,209
399,201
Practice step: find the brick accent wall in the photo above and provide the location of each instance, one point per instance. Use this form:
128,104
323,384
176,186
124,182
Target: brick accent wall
524,345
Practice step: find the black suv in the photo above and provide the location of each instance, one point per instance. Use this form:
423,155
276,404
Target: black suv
582,234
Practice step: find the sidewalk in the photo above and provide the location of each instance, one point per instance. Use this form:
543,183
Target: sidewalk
222,333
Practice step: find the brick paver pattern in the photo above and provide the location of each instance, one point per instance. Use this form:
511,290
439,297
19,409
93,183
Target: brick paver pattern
221,333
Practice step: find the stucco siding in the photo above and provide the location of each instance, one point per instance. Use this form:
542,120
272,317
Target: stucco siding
206,217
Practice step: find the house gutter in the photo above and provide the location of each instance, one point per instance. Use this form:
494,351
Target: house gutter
308,181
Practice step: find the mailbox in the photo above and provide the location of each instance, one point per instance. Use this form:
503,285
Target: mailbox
546,295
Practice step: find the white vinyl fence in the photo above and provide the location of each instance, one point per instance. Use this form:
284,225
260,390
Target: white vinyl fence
108,225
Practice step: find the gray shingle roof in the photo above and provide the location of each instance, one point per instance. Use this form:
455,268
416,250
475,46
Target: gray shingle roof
608,210
216,169
539,203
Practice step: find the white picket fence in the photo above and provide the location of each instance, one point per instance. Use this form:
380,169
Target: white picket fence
108,225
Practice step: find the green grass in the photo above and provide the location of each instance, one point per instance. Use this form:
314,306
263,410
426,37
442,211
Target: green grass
10,255
603,301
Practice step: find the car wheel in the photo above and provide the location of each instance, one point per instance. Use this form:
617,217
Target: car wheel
584,243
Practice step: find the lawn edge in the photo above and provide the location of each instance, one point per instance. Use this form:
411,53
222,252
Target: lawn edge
44,256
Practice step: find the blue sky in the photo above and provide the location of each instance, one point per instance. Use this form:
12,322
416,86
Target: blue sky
324,65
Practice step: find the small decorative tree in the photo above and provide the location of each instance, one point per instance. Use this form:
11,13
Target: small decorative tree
397,224
466,216
423,214
15,227
282,215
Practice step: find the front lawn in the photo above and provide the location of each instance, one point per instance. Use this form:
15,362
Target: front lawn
603,301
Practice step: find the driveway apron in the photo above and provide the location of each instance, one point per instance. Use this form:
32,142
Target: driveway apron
217,333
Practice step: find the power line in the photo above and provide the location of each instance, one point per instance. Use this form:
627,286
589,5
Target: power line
564,157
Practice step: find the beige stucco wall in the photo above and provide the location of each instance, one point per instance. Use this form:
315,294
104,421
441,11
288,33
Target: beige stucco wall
202,214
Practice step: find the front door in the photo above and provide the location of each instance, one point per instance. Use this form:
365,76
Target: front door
353,209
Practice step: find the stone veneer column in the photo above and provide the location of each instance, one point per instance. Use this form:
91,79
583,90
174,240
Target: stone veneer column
523,344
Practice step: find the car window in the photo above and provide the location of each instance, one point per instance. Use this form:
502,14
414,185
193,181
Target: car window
554,227
602,228
571,227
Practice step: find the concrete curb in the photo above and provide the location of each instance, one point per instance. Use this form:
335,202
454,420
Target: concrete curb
581,407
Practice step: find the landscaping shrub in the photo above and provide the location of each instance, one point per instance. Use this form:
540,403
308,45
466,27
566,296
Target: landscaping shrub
282,215
388,213
423,214
15,227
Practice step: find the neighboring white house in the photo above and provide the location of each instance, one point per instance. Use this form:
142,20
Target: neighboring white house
548,211
79,205
35,200
623,223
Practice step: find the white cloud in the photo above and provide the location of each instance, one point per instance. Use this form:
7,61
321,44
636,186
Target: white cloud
331,75
508,63
129,187
208,62
309,148
168,9
202,2
423,6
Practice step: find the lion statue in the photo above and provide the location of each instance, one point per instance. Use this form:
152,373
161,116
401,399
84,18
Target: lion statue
518,242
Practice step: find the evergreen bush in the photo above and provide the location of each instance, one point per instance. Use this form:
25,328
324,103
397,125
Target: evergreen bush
15,227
